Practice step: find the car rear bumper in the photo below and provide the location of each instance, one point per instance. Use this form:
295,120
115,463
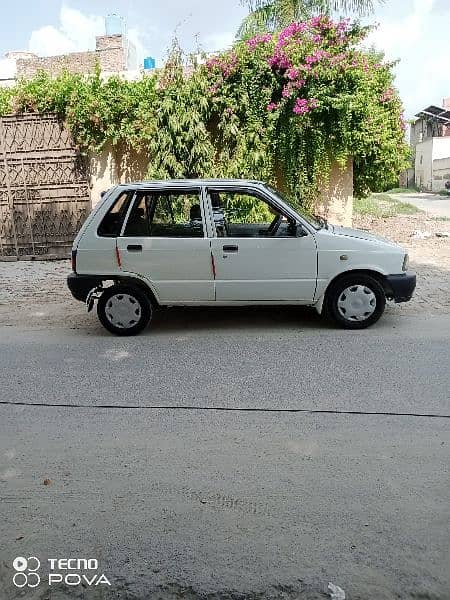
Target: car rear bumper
81,285
402,286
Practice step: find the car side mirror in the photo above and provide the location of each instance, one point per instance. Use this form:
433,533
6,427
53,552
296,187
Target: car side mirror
300,231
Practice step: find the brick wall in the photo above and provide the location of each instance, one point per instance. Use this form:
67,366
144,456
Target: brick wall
110,53
106,42
76,62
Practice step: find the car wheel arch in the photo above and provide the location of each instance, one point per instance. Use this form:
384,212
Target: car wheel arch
377,275
141,285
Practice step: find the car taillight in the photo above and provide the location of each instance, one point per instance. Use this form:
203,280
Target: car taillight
74,261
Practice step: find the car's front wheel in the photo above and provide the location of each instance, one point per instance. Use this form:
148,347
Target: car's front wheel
124,310
355,301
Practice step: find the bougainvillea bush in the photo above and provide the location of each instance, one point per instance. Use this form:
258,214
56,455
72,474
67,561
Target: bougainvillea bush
280,107
289,104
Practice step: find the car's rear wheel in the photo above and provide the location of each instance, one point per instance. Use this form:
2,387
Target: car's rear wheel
124,310
355,301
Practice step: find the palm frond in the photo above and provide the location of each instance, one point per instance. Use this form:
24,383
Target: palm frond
358,7
275,14
263,18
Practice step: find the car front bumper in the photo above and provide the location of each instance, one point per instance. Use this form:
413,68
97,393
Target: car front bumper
402,286
81,285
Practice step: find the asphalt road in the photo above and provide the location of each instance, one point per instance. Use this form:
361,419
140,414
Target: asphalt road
177,498
433,204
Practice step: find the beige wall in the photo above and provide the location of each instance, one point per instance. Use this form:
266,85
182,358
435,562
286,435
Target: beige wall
429,154
118,165
115,164
337,195
423,164
441,174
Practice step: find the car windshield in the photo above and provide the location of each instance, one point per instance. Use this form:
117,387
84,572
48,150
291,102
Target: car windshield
316,222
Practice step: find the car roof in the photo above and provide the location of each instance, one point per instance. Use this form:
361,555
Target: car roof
189,182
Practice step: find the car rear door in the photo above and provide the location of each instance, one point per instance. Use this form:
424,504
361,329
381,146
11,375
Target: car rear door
164,240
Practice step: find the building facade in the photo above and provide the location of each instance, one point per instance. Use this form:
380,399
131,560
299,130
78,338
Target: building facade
430,142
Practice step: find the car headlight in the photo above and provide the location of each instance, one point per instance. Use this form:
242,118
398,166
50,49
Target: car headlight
405,263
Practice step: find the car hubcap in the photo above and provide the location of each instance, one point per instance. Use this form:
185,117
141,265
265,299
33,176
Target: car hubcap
357,303
123,311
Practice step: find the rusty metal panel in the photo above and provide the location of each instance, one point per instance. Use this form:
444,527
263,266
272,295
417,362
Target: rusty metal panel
44,191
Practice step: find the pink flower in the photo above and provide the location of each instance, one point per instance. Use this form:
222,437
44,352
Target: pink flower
290,88
303,106
342,28
290,31
279,60
213,62
258,39
315,21
387,95
316,56
226,64
321,22
293,73
272,106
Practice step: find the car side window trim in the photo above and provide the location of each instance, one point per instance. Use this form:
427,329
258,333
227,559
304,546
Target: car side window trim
208,212
127,216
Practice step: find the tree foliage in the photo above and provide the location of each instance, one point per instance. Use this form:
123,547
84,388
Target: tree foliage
279,107
273,15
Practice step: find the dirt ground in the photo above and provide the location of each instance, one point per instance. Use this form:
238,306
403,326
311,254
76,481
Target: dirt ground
429,257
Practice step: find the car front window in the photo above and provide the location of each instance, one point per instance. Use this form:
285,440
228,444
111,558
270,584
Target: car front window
295,205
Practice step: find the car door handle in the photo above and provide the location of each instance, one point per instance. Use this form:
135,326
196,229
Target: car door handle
230,248
134,248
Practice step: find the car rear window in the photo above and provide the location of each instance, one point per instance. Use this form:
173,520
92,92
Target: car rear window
112,222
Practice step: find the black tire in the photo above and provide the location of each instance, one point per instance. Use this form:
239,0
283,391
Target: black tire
131,324
335,299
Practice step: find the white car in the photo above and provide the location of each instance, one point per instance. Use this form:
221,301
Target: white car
227,243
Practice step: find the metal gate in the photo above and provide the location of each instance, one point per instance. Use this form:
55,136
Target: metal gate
44,192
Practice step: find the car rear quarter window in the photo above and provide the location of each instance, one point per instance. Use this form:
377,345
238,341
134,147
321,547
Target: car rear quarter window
112,222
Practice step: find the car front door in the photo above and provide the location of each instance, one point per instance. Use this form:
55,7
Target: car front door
257,251
164,240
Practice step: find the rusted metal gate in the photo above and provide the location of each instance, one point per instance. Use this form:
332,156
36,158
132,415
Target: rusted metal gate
44,192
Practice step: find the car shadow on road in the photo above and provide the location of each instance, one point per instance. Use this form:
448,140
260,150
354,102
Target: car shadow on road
230,318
